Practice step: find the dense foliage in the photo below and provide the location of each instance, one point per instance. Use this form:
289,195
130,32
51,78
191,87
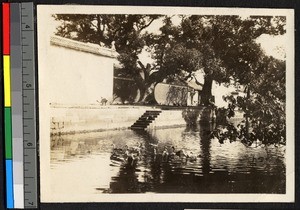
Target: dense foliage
263,106
223,47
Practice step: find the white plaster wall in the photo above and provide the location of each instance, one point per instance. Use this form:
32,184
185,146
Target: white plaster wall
76,77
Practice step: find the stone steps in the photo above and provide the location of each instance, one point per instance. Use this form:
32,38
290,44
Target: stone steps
145,120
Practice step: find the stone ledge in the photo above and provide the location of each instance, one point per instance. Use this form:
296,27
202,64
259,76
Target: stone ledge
84,47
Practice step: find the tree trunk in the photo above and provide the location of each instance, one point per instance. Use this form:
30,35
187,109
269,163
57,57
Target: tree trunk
142,94
206,91
147,96
247,115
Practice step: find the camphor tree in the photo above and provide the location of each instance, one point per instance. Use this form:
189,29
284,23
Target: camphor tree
225,48
230,54
261,76
228,46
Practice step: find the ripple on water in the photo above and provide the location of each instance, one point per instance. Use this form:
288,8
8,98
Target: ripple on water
216,168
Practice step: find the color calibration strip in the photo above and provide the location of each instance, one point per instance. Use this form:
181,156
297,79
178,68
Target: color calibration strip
19,102
7,105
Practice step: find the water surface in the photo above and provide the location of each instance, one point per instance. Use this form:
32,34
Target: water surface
82,164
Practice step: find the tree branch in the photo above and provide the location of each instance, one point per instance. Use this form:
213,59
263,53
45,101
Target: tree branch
145,26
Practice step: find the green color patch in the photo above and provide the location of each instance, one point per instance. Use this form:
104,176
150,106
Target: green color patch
8,132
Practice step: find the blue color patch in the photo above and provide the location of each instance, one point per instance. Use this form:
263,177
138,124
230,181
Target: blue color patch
9,184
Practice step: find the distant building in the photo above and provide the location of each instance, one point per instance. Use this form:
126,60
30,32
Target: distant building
83,73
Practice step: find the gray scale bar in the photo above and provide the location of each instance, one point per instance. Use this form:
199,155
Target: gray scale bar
17,107
29,107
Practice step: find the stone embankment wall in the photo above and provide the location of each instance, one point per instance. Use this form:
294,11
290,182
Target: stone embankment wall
70,120
168,118
180,117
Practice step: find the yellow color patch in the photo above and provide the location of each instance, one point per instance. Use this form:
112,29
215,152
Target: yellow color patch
7,87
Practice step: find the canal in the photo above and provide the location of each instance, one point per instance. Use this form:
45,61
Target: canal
171,160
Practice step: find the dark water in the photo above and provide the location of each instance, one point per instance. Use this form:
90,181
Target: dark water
213,168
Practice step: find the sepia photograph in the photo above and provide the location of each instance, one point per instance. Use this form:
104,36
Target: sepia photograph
165,104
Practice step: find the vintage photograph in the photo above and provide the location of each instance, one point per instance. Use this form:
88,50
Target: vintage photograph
166,104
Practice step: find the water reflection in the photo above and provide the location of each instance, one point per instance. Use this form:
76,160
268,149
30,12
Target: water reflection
205,136
173,160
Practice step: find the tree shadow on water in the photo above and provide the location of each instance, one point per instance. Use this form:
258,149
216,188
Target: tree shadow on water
206,129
